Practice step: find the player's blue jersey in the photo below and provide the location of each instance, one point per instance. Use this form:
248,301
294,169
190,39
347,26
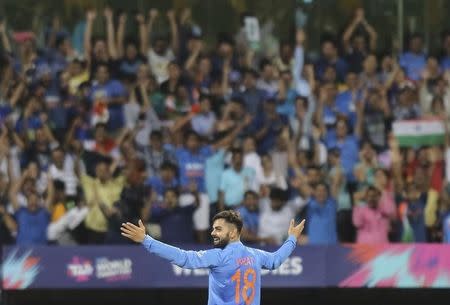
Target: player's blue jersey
235,271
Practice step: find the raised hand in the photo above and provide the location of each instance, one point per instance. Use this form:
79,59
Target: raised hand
153,13
296,230
123,18
108,12
133,232
171,15
185,15
300,37
359,15
140,18
91,14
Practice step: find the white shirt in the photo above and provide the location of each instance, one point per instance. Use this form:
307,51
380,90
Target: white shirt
272,179
65,174
158,64
275,224
253,161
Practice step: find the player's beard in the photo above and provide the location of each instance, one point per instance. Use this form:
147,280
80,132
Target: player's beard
222,242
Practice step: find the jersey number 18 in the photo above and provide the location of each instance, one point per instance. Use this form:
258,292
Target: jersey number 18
249,284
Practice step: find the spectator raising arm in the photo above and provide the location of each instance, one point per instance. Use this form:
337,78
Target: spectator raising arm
110,37
173,30
16,186
152,14
359,20
90,17
8,220
226,141
4,37
143,35
121,35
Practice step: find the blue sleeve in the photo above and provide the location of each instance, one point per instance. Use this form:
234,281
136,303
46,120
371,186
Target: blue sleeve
402,61
184,259
274,260
298,64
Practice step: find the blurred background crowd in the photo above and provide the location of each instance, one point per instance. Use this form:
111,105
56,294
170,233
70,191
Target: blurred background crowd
101,125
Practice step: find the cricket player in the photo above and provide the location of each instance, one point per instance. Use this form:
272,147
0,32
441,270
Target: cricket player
235,270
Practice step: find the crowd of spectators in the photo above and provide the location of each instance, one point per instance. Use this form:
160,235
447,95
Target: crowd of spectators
96,131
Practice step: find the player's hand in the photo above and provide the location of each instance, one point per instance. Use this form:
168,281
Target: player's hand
133,232
296,230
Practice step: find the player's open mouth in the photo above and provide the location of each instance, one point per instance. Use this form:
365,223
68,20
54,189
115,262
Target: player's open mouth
216,239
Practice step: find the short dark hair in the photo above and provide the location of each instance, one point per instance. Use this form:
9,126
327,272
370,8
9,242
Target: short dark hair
156,133
277,193
372,188
173,190
231,217
59,185
251,193
167,165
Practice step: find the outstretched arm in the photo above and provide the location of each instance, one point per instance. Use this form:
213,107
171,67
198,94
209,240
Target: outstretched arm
275,259
182,258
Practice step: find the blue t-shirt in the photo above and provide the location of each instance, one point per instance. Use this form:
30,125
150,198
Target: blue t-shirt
446,228
321,219
231,270
288,107
33,122
234,184
32,226
340,66
179,218
417,220
158,185
192,166
274,129
112,89
345,104
445,63
213,172
250,219
349,153
413,64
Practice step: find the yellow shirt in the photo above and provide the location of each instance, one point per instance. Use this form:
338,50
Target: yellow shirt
107,193
58,210
76,81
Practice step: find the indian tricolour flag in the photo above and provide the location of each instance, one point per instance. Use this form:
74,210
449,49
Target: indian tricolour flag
419,132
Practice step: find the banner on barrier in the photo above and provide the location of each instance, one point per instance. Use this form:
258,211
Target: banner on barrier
310,266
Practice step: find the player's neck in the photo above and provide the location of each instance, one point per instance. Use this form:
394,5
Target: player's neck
237,239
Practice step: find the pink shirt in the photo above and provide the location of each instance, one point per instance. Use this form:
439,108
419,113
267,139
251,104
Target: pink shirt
373,224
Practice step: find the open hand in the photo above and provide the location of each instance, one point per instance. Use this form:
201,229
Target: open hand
108,12
153,13
91,14
133,232
296,230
